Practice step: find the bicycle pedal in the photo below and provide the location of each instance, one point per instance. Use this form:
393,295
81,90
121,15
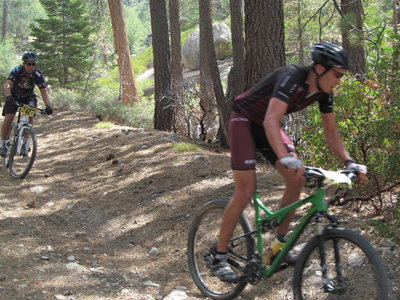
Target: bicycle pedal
283,266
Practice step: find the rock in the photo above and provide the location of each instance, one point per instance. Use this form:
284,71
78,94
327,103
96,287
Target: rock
199,157
151,284
176,295
75,267
153,251
387,243
191,48
37,189
173,137
386,252
355,260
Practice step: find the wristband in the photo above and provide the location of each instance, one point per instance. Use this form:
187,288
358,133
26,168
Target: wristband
350,160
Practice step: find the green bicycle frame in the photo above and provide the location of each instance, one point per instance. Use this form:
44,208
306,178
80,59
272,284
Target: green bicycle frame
318,205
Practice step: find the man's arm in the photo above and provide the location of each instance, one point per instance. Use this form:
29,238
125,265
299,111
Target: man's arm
335,142
7,87
276,109
333,137
45,96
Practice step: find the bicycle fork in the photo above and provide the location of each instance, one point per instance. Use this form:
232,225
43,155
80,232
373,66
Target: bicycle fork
21,140
334,285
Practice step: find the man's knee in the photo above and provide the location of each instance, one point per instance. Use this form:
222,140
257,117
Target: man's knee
295,182
243,197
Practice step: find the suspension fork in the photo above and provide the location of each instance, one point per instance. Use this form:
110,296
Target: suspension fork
329,286
321,248
20,137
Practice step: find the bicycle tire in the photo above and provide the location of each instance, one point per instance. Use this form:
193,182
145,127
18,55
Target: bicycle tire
203,236
20,165
6,158
363,274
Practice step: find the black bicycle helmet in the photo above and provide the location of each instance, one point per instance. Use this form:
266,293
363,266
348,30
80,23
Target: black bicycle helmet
330,55
29,56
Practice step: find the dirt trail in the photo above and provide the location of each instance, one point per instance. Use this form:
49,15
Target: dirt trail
104,214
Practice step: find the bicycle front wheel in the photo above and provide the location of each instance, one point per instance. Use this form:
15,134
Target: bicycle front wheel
354,269
6,158
23,153
202,246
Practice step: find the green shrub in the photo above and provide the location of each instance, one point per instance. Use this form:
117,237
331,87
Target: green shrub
368,119
139,114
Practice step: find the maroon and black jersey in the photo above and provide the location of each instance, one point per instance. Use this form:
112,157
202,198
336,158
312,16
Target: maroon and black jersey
288,84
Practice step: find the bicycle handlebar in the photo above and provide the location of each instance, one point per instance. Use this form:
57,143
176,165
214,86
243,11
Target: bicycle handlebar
42,111
318,173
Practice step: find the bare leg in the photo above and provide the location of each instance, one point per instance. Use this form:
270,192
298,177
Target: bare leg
294,182
244,190
5,127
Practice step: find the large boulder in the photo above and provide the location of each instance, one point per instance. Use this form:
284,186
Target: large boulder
191,48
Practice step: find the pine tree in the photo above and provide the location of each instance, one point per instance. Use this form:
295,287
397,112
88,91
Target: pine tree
62,41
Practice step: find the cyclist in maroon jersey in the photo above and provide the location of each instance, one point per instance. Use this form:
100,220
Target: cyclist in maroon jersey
255,124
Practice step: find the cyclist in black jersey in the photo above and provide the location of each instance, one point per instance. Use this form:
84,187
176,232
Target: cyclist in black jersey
21,84
255,124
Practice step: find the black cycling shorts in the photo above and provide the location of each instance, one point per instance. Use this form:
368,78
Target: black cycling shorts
11,108
246,138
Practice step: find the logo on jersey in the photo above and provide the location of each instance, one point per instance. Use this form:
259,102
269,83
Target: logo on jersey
26,83
250,161
294,87
284,81
239,120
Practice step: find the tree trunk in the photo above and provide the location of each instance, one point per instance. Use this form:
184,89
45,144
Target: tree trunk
205,7
207,102
300,32
235,78
176,68
5,15
127,77
352,35
396,45
163,101
265,40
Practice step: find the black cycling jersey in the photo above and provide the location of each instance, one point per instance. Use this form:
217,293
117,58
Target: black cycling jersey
288,84
24,85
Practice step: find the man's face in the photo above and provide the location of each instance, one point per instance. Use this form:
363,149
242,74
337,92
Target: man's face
29,66
331,79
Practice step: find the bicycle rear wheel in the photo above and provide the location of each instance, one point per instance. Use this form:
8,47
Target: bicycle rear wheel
202,245
354,271
23,154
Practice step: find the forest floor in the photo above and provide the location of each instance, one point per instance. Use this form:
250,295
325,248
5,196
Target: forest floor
105,213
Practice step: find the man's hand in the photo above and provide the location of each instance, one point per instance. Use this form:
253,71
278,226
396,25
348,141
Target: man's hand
291,163
361,169
10,99
49,109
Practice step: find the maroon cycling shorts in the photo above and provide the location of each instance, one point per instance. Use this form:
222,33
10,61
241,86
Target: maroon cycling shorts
246,138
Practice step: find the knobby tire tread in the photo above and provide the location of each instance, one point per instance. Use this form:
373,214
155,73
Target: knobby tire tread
197,278
22,175
354,238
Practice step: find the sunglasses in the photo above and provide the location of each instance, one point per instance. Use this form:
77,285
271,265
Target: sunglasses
30,64
337,73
